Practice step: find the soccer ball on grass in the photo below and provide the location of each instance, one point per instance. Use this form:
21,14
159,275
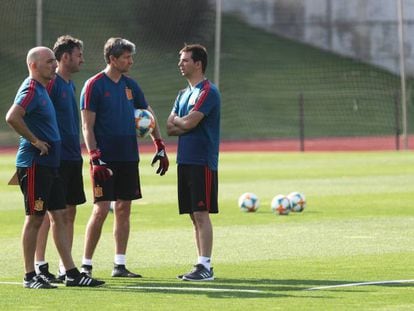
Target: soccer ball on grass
297,201
280,204
249,202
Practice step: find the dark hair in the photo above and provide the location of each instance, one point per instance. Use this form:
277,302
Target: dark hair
116,47
198,53
66,44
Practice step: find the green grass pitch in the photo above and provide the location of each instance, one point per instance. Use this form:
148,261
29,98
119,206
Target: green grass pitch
358,227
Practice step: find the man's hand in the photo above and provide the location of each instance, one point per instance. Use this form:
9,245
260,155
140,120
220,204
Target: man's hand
42,146
99,169
160,155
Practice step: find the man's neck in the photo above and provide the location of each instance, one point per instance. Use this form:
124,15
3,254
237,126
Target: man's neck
193,81
113,74
65,74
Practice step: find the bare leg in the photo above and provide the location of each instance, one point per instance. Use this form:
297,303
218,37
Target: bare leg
42,236
94,227
122,225
59,230
29,236
203,233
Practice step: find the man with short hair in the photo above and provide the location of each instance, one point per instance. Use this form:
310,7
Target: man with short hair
69,55
33,117
108,100
195,119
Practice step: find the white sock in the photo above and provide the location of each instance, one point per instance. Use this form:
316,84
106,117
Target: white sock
205,261
37,264
62,269
120,259
86,261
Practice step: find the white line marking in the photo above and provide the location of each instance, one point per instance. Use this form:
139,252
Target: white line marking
361,284
189,289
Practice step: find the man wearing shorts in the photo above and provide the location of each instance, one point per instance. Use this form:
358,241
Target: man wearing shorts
195,119
108,100
69,55
33,117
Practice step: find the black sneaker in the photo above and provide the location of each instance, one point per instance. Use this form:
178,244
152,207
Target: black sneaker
180,276
45,274
199,274
87,269
120,271
61,277
83,280
38,282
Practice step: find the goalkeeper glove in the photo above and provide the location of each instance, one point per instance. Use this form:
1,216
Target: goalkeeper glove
99,170
160,155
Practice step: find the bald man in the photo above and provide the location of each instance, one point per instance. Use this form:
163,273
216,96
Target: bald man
33,117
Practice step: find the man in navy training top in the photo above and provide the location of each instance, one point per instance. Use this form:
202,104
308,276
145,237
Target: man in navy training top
108,101
38,158
69,55
195,119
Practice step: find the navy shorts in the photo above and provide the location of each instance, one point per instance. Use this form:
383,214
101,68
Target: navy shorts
124,184
197,189
71,173
42,189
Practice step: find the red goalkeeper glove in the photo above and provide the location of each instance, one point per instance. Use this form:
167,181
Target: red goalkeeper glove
160,155
99,170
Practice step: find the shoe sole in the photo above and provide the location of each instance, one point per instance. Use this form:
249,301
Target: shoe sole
198,280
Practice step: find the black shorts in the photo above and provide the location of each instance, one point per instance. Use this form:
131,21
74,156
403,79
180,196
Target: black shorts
124,184
197,189
71,173
42,189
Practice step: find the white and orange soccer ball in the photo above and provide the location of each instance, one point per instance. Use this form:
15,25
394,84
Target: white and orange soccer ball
144,122
297,201
249,202
280,204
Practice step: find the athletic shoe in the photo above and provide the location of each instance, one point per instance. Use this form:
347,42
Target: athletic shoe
121,272
61,277
199,274
38,282
83,280
180,276
87,269
45,274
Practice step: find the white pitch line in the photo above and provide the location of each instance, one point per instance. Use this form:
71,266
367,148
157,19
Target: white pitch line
361,284
188,289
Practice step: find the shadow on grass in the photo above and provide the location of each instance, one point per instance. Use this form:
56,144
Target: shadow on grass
241,288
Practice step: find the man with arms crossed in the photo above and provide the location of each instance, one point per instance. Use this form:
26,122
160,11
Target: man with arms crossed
33,117
69,54
195,119
108,100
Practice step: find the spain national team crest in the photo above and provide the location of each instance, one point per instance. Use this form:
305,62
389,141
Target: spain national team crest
98,192
38,206
128,93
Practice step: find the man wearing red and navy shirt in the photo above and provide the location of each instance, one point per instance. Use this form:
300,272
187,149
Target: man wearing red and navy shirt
108,100
195,119
33,117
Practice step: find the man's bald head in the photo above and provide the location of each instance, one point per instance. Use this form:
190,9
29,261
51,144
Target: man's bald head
41,63
36,53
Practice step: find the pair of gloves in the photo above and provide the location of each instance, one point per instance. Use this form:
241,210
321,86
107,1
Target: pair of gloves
101,172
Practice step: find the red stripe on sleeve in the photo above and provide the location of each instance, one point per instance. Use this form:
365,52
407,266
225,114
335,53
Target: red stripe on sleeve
29,96
88,90
50,85
204,92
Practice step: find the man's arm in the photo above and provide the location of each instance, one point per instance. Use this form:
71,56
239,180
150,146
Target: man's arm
88,123
177,126
14,118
